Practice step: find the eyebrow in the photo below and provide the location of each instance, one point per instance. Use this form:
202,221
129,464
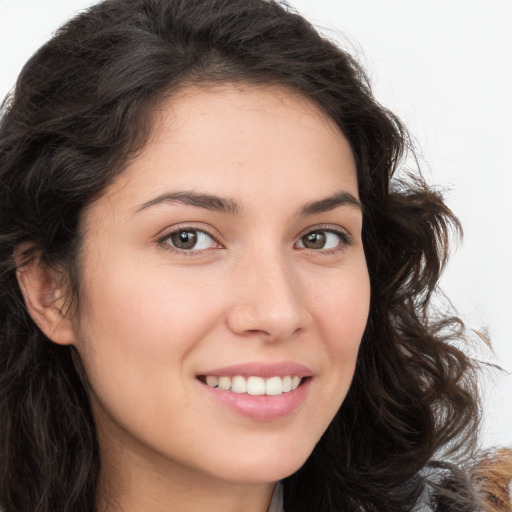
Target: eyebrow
232,207
330,203
208,201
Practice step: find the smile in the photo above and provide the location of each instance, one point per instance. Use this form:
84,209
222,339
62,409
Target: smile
260,391
254,385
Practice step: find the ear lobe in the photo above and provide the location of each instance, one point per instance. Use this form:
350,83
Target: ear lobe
45,298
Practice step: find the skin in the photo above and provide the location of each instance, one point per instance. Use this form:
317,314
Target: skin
153,317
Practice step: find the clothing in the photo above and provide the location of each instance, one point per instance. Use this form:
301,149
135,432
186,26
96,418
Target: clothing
276,505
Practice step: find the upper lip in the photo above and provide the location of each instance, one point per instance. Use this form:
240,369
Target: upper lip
261,369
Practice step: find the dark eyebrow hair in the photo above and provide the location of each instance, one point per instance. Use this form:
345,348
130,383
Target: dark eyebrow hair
330,203
230,206
210,202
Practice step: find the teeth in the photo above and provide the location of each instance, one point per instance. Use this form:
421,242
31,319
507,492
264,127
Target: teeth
212,381
225,383
257,386
274,386
239,385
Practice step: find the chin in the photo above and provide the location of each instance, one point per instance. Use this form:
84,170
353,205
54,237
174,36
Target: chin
267,467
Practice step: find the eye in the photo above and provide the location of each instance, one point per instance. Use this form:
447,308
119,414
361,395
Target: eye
190,240
323,239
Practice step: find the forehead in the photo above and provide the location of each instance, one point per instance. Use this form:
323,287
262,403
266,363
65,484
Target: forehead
234,140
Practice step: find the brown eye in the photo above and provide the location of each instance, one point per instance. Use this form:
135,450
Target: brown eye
323,239
315,240
190,240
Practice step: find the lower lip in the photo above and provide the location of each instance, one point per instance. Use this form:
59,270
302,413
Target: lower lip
262,407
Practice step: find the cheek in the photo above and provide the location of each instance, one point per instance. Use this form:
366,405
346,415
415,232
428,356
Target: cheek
342,309
341,315
138,327
153,303
136,336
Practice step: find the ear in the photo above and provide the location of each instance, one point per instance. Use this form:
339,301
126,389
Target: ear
45,297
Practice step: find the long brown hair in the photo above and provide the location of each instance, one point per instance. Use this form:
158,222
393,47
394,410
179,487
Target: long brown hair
81,108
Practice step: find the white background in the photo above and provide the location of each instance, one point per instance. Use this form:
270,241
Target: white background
445,67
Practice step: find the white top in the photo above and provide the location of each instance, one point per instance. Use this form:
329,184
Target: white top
276,505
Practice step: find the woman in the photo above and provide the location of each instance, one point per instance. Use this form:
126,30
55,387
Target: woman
209,282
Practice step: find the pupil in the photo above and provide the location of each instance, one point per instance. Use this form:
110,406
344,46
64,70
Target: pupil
184,239
314,240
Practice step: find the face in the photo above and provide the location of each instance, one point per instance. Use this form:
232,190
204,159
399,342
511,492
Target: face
224,287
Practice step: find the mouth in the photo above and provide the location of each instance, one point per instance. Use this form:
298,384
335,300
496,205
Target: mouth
259,391
253,385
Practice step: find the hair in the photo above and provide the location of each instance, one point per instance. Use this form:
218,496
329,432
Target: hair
81,109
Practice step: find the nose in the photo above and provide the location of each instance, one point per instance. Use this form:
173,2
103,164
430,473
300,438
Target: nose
267,299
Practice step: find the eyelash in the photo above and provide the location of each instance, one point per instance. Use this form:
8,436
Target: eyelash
344,236
163,241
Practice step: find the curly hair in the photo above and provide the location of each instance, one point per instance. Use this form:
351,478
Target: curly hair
81,108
